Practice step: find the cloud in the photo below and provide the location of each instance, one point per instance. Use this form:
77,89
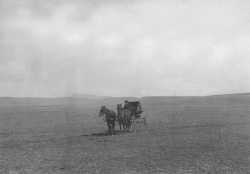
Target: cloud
143,47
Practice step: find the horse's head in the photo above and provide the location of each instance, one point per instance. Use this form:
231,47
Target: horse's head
102,111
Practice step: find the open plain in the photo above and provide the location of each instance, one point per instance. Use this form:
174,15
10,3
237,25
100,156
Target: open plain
184,135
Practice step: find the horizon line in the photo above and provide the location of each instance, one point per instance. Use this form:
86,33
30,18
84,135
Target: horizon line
104,96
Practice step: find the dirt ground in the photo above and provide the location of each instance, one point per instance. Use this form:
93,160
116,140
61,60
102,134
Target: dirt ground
180,138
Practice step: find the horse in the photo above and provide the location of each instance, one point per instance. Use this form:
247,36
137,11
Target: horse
127,119
120,116
124,117
110,117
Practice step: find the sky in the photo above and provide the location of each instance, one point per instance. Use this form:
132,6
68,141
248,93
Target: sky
52,48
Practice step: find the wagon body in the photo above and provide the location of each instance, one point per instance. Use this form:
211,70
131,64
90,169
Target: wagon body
134,107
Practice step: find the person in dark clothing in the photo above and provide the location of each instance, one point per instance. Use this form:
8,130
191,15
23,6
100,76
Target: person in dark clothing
126,104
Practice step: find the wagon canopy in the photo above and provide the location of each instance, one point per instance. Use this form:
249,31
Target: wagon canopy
134,107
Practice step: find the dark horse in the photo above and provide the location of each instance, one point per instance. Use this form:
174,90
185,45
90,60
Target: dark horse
110,118
120,117
124,117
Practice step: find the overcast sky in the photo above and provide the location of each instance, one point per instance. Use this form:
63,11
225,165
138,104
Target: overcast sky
124,47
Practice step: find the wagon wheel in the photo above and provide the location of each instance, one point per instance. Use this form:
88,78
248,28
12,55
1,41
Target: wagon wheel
137,120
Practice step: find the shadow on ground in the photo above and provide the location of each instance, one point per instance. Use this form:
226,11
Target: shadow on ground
102,134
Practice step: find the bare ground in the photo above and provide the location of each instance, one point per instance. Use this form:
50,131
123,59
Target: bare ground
70,144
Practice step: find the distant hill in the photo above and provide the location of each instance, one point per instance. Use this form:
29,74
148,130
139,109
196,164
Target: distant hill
233,94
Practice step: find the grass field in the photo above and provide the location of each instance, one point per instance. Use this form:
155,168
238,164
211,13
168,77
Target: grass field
200,135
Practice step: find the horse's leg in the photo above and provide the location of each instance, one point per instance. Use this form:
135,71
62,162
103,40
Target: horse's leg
108,125
132,125
110,128
123,124
120,124
126,124
129,122
113,127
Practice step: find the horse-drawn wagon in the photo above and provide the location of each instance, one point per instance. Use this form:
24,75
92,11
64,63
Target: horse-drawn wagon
127,116
136,113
